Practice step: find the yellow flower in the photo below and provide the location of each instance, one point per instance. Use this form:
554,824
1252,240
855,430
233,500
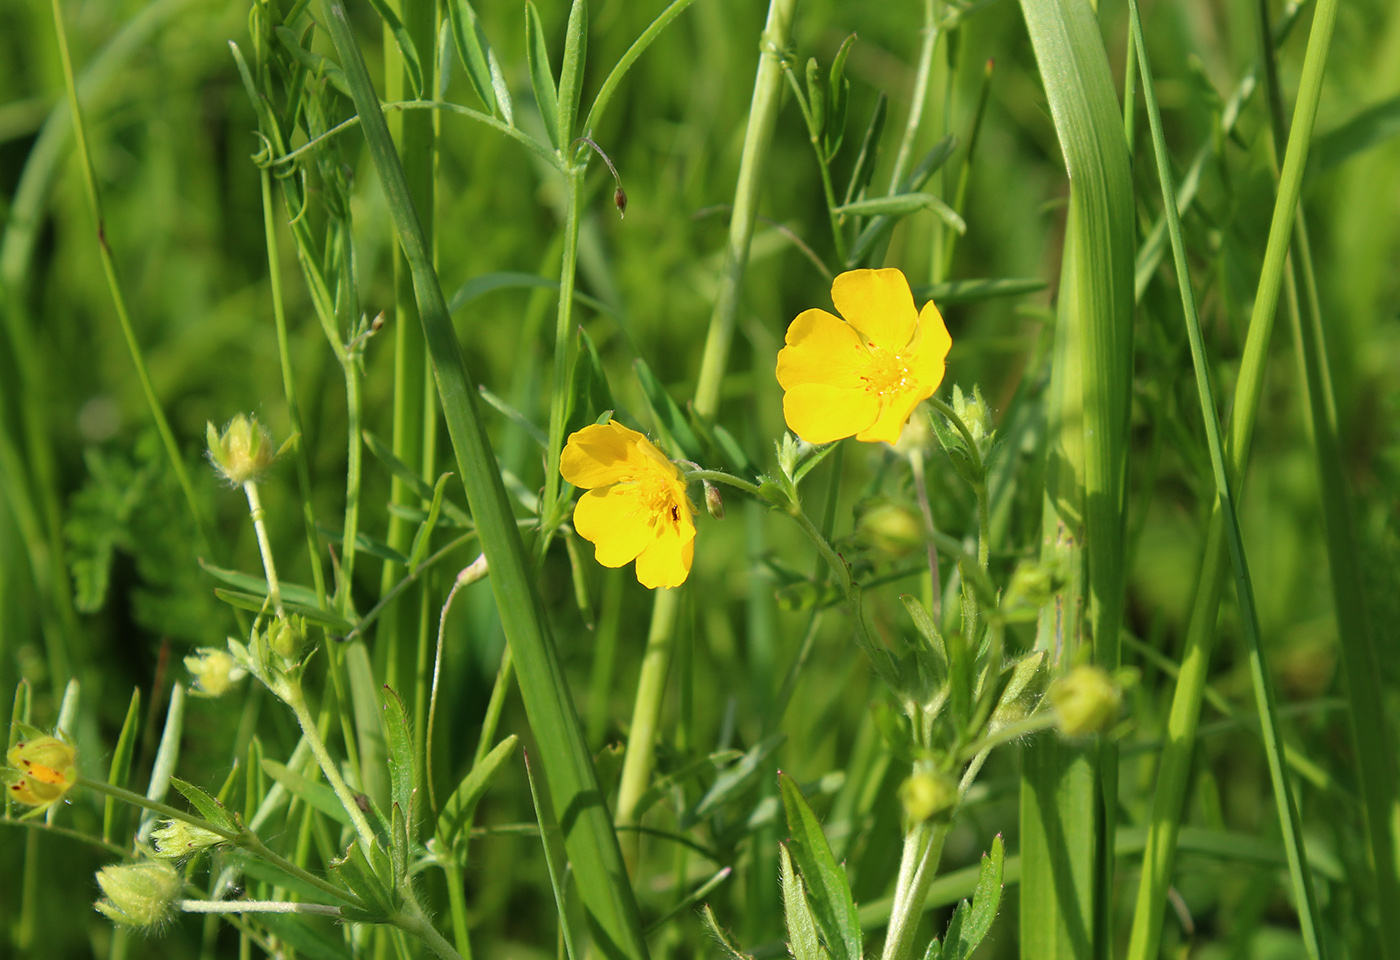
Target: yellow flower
44,770
635,507
864,375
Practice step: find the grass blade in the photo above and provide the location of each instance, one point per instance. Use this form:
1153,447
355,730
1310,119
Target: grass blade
541,75
568,765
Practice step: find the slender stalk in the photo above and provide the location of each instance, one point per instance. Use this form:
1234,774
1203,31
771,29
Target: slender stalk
918,96
763,114
1174,770
294,697
551,510
109,268
646,715
255,510
258,906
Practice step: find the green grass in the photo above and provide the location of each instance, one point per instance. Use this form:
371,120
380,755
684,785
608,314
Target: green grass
1183,490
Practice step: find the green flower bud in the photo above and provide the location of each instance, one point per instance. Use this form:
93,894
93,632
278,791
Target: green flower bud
243,452
891,527
926,794
714,503
287,637
975,414
139,894
1031,587
1085,701
176,839
214,671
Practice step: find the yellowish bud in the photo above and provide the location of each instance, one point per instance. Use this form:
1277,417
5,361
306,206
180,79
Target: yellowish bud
287,637
139,894
891,528
214,671
1085,701
42,770
243,452
176,839
927,794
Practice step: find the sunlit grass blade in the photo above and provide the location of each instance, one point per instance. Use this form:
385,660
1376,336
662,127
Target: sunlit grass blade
1152,894
588,834
1069,792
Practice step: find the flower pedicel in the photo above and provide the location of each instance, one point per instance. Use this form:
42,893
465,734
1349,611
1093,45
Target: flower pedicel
861,376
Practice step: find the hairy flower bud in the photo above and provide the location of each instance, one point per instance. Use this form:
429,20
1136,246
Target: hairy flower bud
927,794
287,637
242,452
1085,701
176,839
139,894
214,671
714,503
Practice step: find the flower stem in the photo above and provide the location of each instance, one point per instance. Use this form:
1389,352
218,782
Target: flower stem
550,512
417,925
255,510
257,906
923,846
646,712
294,697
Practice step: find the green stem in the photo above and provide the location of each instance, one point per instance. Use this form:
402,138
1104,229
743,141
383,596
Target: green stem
255,510
294,697
258,906
551,510
646,714
425,931
763,114
917,99
923,847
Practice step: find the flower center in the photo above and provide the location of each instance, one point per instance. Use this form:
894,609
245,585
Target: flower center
887,372
656,497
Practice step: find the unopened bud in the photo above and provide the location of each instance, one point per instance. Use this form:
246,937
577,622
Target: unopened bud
139,894
890,527
1085,701
927,794
620,201
287,637
974,413
214,671
176,839
714,503
242,452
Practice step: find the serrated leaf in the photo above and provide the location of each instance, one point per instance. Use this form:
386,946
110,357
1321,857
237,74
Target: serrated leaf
209,808
985,900
462,804
953,938
797,913
398,741
541,74
472,50
667,416
826,882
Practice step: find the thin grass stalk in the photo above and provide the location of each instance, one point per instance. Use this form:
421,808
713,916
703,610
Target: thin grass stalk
1288,813
763,114
109,269
564,349
1370,731
588,833
1085,498
758,136
1174,769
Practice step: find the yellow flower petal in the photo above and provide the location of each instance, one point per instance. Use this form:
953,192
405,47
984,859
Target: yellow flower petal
600,454
822,349
821,414
878,304
666,560
615,521
934,339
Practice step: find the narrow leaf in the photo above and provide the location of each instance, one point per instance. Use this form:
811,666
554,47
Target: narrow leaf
209,808
797,913
120,768
571,72
314,794
667,416
834,908
405,44
472,49
541,76
985,901
462,804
